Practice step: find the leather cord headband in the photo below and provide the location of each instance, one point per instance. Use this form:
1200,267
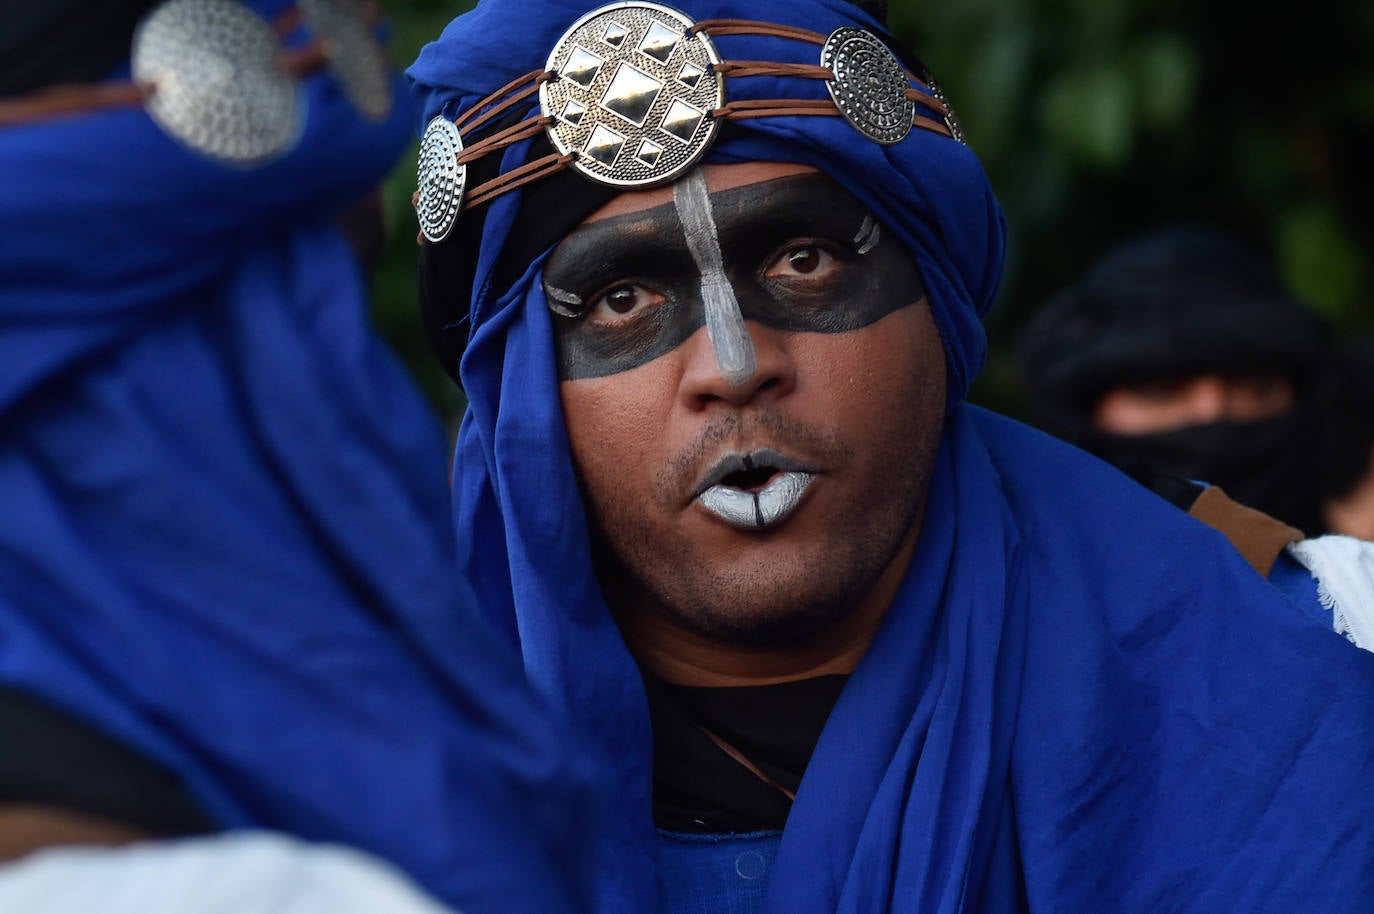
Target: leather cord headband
550,208
555,198
65,99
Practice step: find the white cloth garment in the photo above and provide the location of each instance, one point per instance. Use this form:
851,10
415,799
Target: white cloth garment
1344,569
232,873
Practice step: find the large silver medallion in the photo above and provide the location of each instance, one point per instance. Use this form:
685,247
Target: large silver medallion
633,94
440,179
869,86
217,87
356,58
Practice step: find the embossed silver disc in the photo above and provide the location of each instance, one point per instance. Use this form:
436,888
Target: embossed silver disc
356,57
869,86
951,119
217,85
440,179
633,94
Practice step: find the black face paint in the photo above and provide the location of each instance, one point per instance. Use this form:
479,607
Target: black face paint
791,249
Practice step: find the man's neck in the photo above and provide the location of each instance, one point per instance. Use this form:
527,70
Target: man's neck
676,653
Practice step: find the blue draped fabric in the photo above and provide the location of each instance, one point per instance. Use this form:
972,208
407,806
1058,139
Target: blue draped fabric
1081,700
225,538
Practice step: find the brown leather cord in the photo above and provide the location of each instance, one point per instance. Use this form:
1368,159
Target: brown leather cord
718,27
304,61
743,760
782,107
933,126
930,101
501,139
60,101
293,18
524,86
518,177
774,107
742,68
288,21
471,119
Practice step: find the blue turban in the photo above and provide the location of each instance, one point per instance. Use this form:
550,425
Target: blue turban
224,539
1081,699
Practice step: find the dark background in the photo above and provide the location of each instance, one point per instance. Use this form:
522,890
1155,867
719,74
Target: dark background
1096,120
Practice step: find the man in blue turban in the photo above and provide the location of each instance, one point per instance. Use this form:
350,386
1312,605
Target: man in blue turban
227,590
853,644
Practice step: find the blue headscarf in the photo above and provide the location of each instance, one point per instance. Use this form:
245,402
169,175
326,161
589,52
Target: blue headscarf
225,540
1081,699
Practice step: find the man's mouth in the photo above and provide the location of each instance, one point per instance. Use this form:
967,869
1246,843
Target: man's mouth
754,490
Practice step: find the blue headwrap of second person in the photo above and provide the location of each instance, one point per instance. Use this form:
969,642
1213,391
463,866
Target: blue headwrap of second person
225,543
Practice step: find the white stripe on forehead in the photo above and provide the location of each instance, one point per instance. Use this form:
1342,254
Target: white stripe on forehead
730,339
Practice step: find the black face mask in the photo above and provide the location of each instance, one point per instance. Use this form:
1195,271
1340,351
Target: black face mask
1269,465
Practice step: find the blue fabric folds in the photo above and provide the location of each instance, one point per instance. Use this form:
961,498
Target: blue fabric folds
1082,700
225,537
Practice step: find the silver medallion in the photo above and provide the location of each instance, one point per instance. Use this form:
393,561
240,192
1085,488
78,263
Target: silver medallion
440,179
216,84
869,86
633,94
956,129
356,58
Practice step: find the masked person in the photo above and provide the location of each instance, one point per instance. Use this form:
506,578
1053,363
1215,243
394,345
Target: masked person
1348,436
1181,353
712,281
227,593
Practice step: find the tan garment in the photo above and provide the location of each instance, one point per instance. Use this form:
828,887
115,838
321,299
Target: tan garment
1258,537
25,828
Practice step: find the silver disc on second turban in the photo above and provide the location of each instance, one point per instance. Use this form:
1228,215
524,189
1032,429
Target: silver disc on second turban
217,85
440,179
356,57
633,94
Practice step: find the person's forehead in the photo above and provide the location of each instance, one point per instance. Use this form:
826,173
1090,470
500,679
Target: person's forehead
718,178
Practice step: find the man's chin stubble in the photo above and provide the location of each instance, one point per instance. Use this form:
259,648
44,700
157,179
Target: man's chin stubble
753,608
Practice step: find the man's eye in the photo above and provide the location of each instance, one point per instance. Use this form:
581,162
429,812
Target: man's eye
624,300
802,260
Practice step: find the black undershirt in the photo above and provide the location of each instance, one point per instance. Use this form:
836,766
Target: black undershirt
49,758
698,787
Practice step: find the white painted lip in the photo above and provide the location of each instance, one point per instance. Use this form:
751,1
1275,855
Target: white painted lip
759,509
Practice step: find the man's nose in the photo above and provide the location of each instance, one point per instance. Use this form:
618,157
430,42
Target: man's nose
774,371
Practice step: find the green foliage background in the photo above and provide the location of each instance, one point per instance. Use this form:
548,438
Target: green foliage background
1097,119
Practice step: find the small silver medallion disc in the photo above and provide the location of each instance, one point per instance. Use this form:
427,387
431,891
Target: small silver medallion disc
869,86
440,179
216,83
356,57
951,119
634,94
